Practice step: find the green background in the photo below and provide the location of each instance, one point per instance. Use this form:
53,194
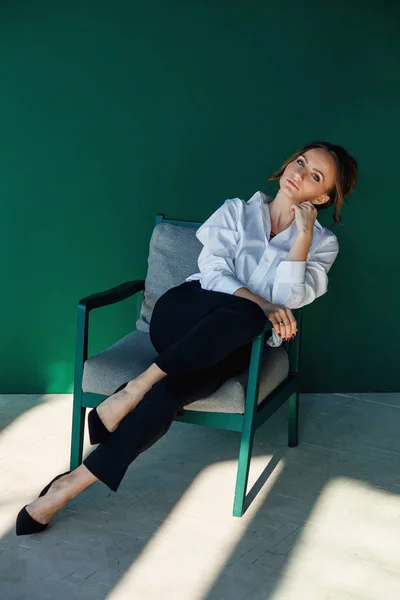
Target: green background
113,111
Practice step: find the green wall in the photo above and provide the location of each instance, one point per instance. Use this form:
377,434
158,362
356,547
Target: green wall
113,111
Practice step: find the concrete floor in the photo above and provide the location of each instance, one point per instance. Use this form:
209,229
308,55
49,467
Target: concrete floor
323,520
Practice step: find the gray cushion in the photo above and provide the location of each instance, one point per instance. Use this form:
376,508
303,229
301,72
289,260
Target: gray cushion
124,360
173,254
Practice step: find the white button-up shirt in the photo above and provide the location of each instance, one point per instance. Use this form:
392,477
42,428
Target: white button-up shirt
237,252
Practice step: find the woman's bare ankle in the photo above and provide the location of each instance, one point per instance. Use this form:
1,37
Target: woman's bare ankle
112,410
149,377
75,482
61,491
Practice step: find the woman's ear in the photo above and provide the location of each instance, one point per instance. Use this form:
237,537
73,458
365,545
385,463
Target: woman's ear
322,199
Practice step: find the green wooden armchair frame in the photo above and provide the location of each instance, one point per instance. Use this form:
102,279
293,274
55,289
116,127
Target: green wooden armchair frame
255,413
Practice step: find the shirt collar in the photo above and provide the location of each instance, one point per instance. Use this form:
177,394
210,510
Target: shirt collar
265,199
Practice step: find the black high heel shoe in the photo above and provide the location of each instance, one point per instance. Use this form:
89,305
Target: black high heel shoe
98,432
26,524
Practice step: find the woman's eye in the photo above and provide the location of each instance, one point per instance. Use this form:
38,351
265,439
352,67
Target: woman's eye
315,177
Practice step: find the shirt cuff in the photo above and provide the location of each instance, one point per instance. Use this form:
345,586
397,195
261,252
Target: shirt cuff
291,271
274,341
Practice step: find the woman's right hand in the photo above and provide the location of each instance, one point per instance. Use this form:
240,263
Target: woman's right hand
282,319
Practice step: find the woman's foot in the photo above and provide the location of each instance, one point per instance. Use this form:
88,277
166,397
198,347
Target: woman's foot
114,408
44,508
58,495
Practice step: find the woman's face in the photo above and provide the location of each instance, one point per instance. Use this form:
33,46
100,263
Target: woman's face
309,177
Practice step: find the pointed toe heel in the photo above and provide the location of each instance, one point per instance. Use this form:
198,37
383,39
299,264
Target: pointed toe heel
98,432
26,524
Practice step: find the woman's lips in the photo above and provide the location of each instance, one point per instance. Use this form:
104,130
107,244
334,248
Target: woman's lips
293,184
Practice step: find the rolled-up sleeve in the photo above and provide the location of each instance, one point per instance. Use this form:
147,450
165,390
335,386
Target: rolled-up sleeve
219,236
298,283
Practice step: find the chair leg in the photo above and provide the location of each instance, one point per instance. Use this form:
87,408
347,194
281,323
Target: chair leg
78,426
246,442
246,446
293,420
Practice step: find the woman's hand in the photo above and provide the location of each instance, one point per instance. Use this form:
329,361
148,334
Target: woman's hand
282,319
305,215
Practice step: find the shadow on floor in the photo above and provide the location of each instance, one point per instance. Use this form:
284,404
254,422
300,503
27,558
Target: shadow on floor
169,533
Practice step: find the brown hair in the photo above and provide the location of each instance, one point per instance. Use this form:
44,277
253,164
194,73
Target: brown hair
345,178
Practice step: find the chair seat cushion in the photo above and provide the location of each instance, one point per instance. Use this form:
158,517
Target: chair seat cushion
105,372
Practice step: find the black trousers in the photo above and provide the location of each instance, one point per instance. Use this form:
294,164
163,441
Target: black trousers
203,338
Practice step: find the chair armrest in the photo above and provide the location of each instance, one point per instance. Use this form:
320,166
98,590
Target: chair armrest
253,381
267,327
113,295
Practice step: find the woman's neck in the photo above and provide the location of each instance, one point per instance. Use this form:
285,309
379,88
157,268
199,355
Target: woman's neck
279,211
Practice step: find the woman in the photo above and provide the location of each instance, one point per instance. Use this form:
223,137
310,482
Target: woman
259,260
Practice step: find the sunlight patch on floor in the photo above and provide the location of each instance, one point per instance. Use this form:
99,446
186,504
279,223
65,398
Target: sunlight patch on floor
350,546
208,548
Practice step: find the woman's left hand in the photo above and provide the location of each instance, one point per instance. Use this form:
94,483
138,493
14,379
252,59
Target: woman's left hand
305,215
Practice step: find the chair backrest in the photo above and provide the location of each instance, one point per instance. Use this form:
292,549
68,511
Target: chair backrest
174,250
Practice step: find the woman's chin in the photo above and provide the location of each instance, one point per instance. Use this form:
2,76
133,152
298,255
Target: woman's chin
290,191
